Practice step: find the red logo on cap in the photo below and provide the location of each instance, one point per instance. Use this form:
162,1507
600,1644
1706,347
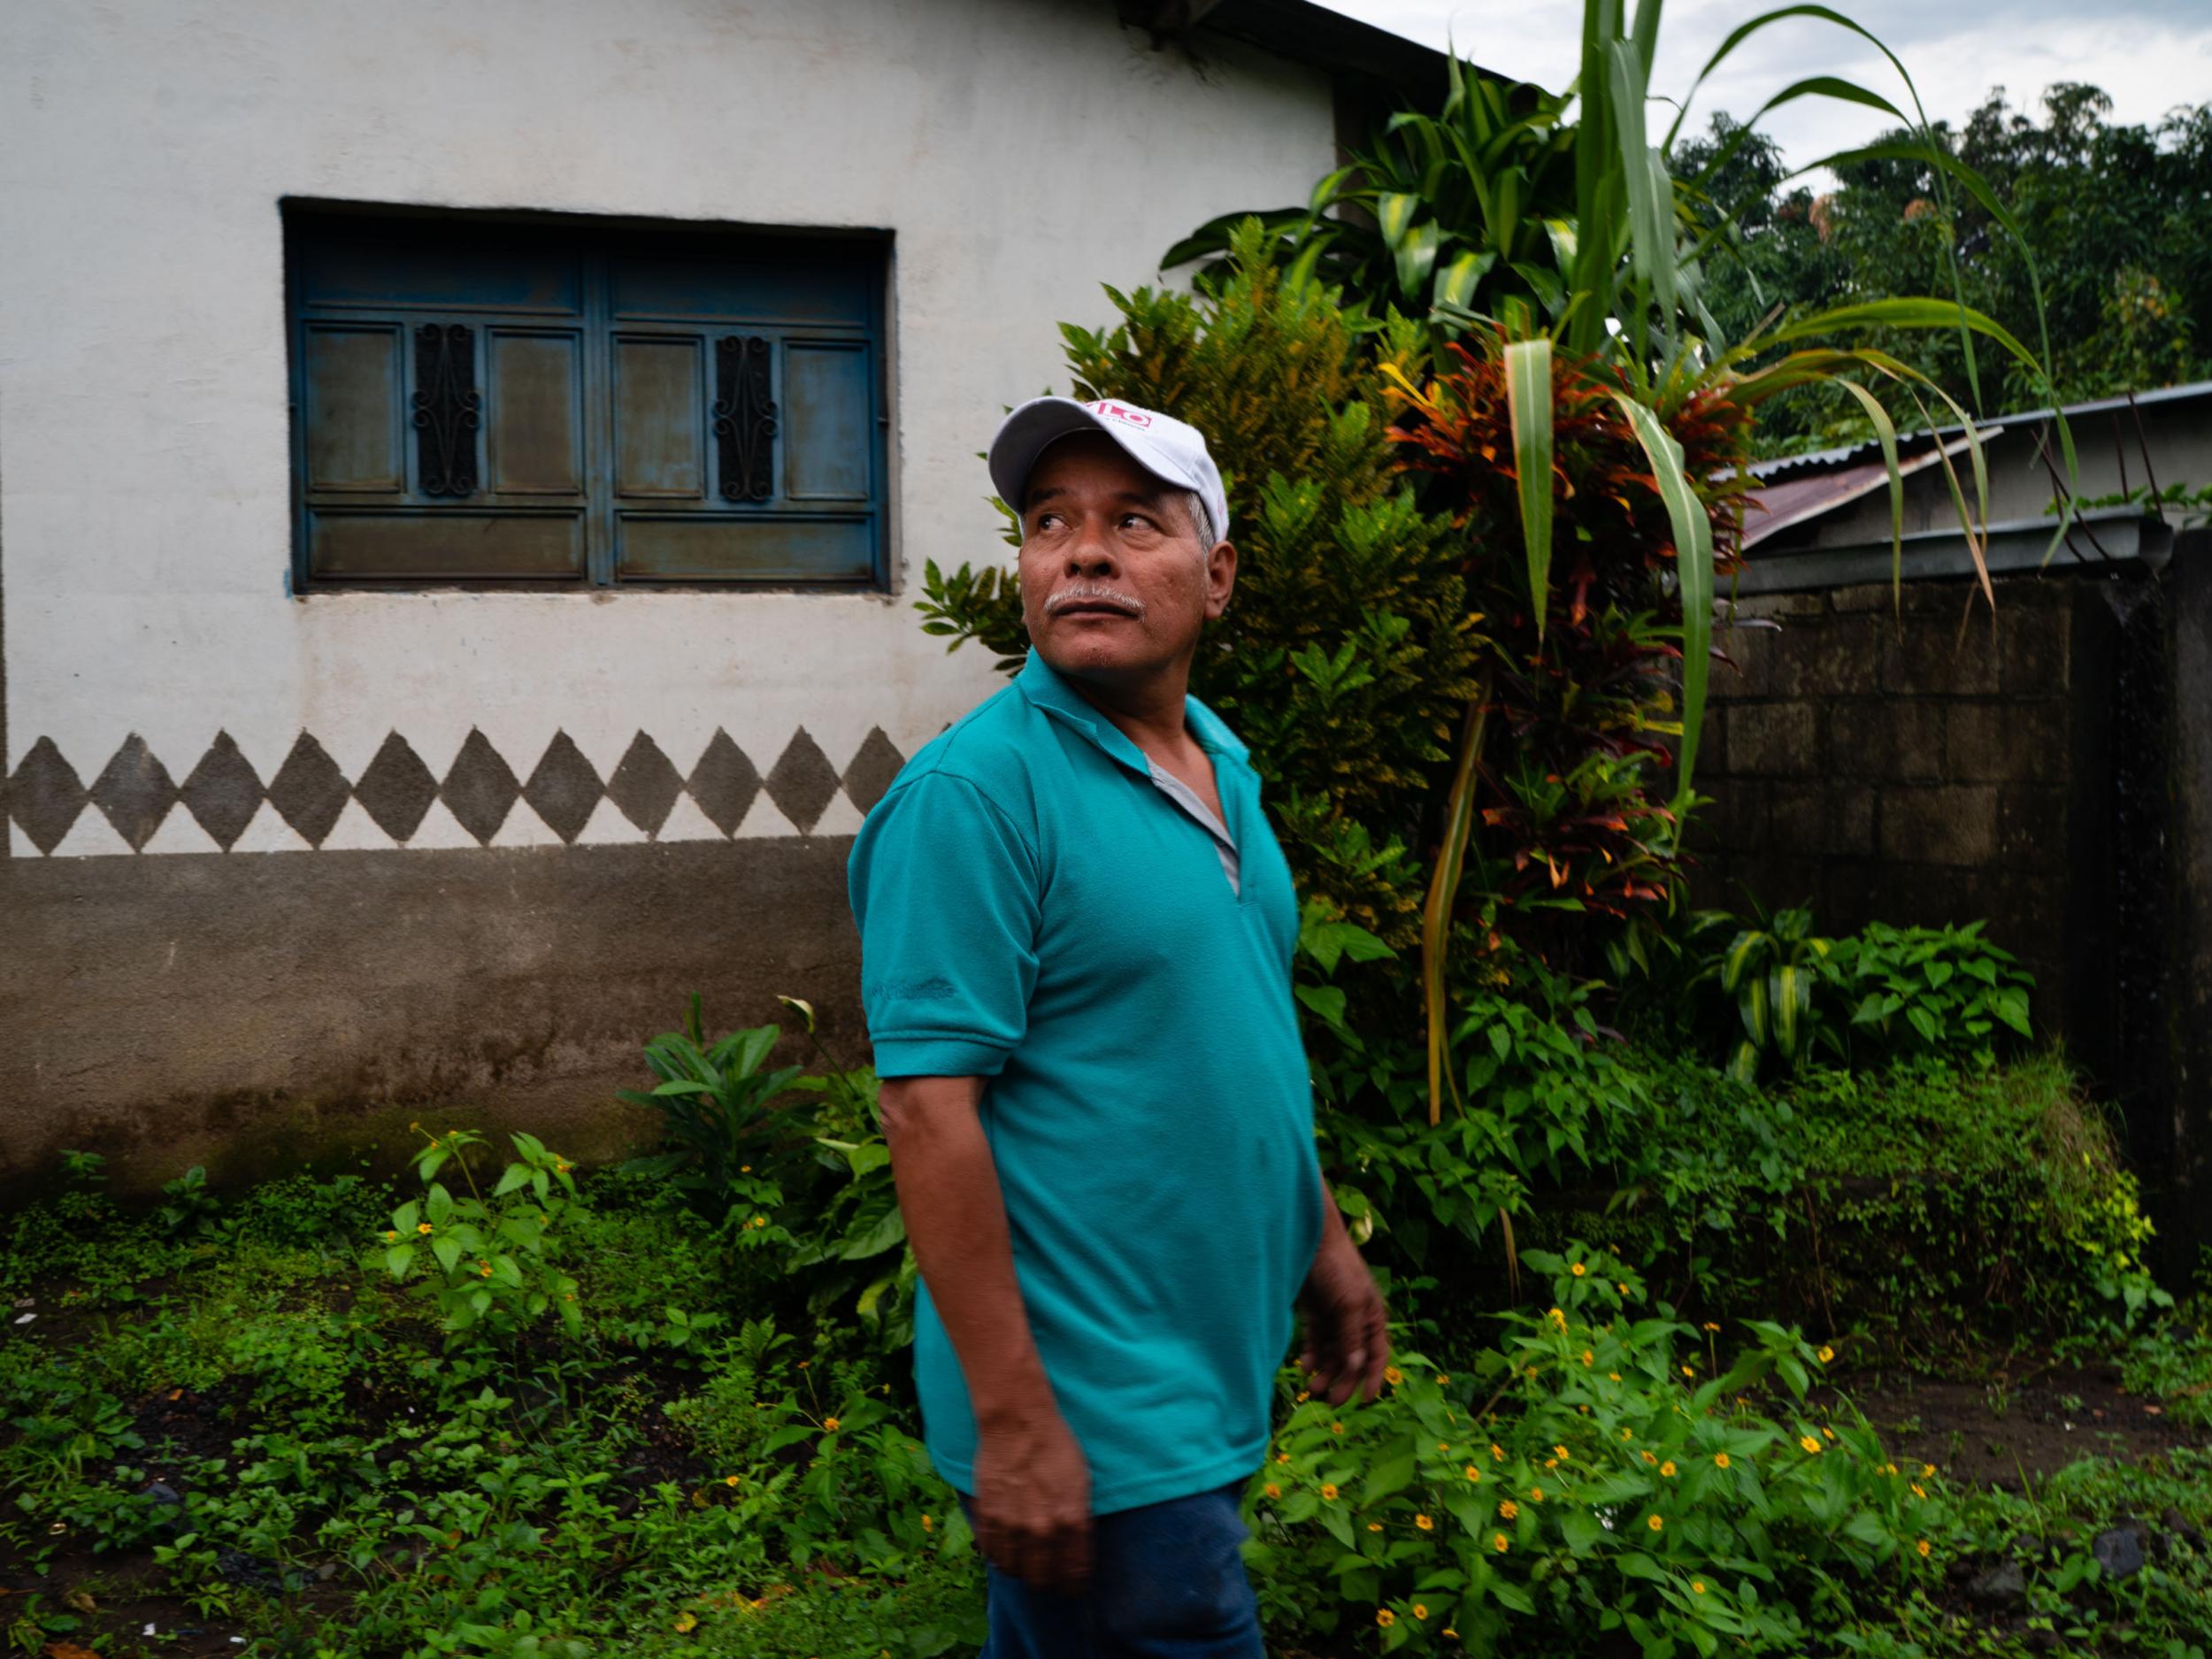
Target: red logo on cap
1117,413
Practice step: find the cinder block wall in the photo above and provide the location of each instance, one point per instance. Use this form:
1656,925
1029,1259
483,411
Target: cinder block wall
1928,762
2044,769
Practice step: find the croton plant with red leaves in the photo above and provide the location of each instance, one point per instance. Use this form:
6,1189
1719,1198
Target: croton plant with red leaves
1577,768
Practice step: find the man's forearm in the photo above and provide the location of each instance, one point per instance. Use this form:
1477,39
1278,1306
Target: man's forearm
955,1219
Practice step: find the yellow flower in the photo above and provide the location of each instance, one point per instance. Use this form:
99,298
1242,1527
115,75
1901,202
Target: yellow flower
730,1480
1559,1452
1420,1609
1507,1509
1889,1469
1532,1373
1449,1631
1712,1324
1628,1434
1393,1375
389,1235
829,1426
1558,1316
1498,1543
1720,1460
1612,1376
1658,1523
1667,1469
1622,1288
1827,1432
1923,1547
1273,1490
1589,1358
1374,1526
1336,1428
1443,1446
1578,1270
1809,1444
1497,1453
1473,1473
1329,1494
1442,1381
1650,1458
1927,1471
686,1622
1689,1370
1826,1354
484,1269
1551,1463
422,1227
1384,1617
1536,1494
929,1523
1697,1586
1424,1524
1919,1491
1282,1457
1303,1397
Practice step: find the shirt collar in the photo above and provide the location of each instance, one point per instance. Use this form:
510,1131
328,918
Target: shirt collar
1050,691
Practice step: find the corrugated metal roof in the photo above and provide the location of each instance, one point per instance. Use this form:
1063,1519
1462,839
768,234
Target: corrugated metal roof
1776,506
1817,458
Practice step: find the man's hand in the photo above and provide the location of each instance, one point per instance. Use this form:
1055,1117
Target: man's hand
1347,1328
1032,1501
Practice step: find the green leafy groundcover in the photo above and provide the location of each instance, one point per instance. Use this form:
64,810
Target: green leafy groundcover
247,1414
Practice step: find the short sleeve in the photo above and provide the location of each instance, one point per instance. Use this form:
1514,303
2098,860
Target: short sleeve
944,890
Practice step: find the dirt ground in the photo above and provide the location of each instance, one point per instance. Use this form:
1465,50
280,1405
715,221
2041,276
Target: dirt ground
2026,1421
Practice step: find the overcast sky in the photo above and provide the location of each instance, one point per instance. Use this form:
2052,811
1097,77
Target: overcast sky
2149,55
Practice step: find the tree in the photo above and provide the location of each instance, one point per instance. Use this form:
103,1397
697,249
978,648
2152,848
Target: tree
2117,222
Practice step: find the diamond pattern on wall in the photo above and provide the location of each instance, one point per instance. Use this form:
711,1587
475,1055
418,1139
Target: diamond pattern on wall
801,782
645,784
45,795
868,778
222,792
396,789
136,791
564,788
479,787
724,783
309,790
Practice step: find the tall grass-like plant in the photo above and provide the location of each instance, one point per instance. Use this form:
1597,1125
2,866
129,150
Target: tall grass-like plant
1550,229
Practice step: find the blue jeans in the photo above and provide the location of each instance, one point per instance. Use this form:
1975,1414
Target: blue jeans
1167,1582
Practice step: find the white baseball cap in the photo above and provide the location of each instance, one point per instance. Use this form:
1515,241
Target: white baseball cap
1170,450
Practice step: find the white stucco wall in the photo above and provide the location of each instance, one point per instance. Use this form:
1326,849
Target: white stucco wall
1023,153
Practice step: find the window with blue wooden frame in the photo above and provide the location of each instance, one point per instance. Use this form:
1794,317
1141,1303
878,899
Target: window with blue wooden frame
556,403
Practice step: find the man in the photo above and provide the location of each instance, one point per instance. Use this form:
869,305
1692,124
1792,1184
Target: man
1076,938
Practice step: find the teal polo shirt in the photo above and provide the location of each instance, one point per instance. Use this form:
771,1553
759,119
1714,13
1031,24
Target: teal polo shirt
1035,911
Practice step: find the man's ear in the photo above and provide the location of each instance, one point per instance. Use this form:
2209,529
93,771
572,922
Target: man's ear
1221,578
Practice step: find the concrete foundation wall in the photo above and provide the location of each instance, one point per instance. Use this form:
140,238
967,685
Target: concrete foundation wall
352,848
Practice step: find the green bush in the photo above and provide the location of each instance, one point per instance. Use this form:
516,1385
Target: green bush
1588,1476
485,1261
1934,1209
1774,995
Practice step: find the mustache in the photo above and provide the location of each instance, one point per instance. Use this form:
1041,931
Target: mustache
1094,592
